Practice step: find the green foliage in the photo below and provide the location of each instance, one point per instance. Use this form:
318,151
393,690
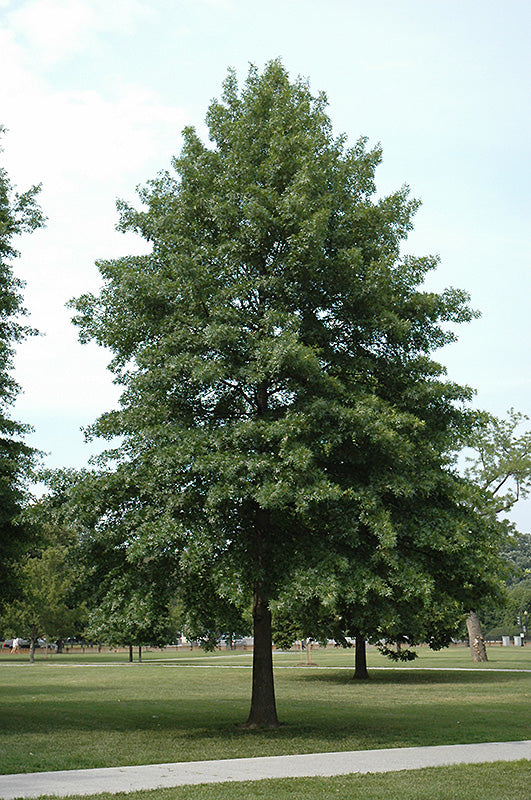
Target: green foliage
127,591
129,614
500,461
19,213
416,593
48,602
286,630
43,607
397,655
512,616
518,555
280,409
212,611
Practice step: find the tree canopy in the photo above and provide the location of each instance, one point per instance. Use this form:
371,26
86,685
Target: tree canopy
281,409
499,458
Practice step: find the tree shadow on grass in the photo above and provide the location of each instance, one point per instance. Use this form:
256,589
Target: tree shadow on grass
136,732
11,693
73,726
401,676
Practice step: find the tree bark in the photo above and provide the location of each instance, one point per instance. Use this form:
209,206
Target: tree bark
32,650
360,660
140,652
130,653
263,712
475,638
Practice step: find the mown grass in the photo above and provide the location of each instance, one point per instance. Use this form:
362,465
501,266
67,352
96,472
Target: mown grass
69,714
499,781
453,657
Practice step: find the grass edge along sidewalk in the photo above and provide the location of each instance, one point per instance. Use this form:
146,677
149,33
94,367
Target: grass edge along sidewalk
497,780
154,776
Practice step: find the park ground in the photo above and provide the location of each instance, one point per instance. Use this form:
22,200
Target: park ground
85,710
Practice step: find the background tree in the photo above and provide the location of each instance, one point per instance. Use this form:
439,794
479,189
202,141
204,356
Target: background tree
279,400
415,592
44,606
501,619
128,594
137,596
499,463
510,618
214,606
518,555
132,616
19,213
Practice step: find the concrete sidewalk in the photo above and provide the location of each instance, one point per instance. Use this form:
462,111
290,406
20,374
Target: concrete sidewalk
153,776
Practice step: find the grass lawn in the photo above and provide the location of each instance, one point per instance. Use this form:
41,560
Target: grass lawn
70,712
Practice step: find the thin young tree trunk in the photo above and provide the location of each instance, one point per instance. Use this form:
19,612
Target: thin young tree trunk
475,638
32,651
140,652
263,712
360,662
130,653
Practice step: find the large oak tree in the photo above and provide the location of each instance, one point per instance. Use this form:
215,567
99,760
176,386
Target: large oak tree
280,405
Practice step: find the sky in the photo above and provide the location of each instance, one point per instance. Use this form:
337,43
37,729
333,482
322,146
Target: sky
95,95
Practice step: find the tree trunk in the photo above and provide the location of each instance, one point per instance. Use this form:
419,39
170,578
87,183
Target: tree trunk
263,712
140,652
130,653
360,662
32,651
475,638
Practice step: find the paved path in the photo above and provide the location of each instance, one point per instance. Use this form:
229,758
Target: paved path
153,776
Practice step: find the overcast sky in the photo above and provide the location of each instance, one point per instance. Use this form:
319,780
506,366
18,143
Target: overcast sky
95,94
